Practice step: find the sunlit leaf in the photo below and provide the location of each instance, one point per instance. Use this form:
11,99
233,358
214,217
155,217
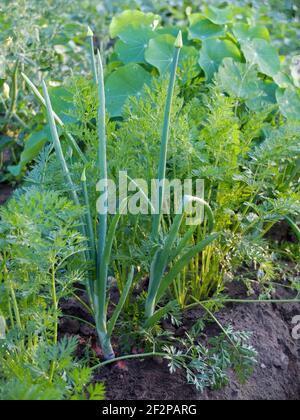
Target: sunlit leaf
289,103
161,51
260,52
213,52
133,43
246,33
133,18
33,146
265,97
124,82
283,80
295,70
203,28
238,79
219,16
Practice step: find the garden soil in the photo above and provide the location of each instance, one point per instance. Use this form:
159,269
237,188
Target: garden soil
276,377
5,192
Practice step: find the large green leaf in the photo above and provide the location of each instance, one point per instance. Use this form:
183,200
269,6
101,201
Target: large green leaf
133,18
245,33
238,79
260,52
295,70
265,96
133,43
160,53
219,16
63,104
283,80
289,103
203,28
124,82
213,53
33,146
241,80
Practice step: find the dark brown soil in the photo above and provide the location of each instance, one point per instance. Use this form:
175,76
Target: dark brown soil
5,192
276,377
281,232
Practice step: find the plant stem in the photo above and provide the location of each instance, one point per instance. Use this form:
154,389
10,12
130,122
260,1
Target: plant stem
217,322
71,139
57,145
14,92
90,229
238,301
128,357
55,308
294,227
20,121
55,303
90,35
14,301
165,139
15,306
102,264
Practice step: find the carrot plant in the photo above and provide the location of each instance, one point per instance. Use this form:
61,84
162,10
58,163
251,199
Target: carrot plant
38,240
100,253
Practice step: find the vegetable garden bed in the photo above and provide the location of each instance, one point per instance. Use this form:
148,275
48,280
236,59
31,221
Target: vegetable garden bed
276,376
151,247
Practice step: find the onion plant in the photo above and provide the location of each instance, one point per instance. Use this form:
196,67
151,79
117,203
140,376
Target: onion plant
159,282
90,36
100,249
102,262
165,137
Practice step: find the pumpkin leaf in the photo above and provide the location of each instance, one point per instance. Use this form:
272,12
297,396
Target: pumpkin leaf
260,52
63,104
283,80
202,28
238,79
213,53
219,16
126,81
160,53
133,18
246,33
133,43
265,97
289,103
33,146
295,70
